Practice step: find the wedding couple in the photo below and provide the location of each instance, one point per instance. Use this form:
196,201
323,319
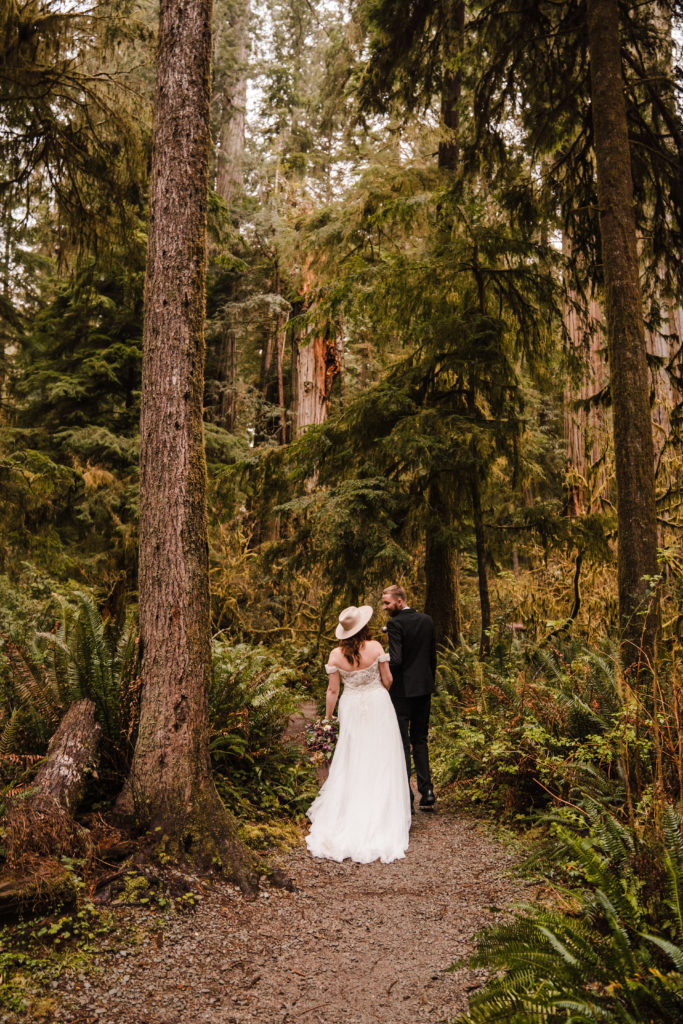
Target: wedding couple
364,808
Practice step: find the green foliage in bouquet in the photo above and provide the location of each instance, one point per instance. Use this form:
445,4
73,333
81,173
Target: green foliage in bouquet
616,955
321,739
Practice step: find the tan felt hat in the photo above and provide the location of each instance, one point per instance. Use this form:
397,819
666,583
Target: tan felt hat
352,620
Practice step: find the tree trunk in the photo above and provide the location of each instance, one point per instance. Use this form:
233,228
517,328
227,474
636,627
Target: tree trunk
586,429
482,559
233,29
442,599
170,784
42,823
281,337
636,514
227,379
317,364
449,150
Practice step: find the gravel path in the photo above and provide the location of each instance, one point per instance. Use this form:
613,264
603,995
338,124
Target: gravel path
353,944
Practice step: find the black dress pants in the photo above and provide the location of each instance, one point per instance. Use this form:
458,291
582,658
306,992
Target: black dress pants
413,721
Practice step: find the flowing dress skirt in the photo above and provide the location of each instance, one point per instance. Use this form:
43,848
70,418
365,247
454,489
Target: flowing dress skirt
363,809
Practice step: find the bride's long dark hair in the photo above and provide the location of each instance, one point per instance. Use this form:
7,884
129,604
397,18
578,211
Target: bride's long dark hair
350,647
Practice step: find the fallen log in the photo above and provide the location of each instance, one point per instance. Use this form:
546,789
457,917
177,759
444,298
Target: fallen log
45,889
40,821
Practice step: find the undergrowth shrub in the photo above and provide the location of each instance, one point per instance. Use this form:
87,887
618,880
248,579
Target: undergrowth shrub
613,952
539,723
251,698
83,656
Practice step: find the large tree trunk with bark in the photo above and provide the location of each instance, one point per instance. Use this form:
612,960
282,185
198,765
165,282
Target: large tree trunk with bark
442,598
449,149
586,425
170,784
316,363
42,824
233,36
227,379
281,338
482,562
636,514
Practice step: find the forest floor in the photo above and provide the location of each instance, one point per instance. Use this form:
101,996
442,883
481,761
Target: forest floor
350,944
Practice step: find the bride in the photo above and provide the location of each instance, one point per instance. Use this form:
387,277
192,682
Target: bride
363,809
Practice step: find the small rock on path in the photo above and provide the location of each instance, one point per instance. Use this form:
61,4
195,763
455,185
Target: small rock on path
353,944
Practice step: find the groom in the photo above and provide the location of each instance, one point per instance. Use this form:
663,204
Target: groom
412,660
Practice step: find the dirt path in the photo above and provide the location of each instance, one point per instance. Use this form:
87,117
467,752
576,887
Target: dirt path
353,944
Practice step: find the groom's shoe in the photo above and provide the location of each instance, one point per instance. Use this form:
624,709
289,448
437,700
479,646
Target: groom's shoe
427,800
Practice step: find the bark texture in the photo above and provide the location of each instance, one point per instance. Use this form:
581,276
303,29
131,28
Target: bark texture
629,383
317,361
227,380
449,149
442,598
586,427
42,824
233,100
482,559
170,782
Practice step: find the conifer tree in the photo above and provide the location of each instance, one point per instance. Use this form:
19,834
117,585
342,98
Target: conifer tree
170,783
629,383
531,67
231,19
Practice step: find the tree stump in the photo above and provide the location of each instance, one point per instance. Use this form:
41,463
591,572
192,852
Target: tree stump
41,823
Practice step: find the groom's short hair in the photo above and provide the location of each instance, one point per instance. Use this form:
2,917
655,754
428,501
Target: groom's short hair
395,591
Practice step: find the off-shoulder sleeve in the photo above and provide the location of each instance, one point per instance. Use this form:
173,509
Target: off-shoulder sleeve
383,657
331,668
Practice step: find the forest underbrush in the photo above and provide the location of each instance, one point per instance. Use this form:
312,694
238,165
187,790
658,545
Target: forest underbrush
546,736
551,737
58,651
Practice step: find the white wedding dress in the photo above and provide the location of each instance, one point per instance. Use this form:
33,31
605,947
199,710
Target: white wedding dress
363,809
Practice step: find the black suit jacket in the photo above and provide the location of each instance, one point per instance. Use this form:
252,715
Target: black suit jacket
412,653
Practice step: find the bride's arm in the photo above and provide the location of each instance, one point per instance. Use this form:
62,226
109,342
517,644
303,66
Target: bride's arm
385,675
333,684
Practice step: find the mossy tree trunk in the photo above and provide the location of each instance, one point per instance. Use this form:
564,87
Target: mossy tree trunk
442,598
451,87
42,824
482,559
629,381
170,784
232,30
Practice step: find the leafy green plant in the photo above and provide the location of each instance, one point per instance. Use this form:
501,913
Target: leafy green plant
83,657
34,951
616,953
541,722
251,698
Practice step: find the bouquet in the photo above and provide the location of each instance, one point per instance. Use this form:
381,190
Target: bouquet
321,739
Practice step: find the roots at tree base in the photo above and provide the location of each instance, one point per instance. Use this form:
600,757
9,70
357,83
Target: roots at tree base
199,831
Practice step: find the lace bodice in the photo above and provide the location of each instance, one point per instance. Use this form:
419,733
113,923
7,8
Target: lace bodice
359,678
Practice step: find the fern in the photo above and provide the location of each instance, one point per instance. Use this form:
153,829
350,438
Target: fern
250,701
606,962
82,659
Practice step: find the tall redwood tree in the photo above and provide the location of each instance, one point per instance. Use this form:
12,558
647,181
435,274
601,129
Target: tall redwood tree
629,381
170,782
